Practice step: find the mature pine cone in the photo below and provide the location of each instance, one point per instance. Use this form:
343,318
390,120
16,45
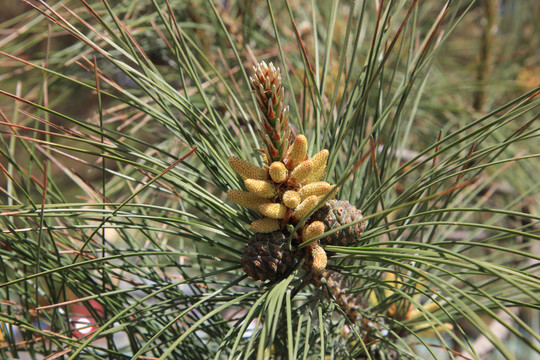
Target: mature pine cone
335,213
267,256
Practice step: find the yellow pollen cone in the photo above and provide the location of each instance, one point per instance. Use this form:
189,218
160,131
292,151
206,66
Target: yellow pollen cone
314,229
317,188
320,158
246,199
246,169
261,188
265,225
319,166
302,171
305,207
297,152
273,210
319,258
291,199
278,172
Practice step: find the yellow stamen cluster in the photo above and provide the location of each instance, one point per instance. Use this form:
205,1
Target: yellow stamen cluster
285,191
305,207
246,169
319,166
313,230
282,189
262,188
302,171
291,199
278,172
318,189
319,258
265,225
246,199
318,254
273,210
298,152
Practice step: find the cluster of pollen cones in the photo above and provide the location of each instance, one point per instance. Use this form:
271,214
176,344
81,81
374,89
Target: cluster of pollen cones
285,190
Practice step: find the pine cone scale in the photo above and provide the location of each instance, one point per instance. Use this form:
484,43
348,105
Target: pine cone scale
267,256
336,213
